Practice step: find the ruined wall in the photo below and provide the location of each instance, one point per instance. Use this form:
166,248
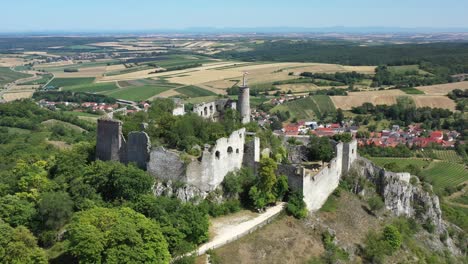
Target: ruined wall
179,110
251,152
205,110
166,165
205,173
349,155
225,156
316,187
110,144
138,149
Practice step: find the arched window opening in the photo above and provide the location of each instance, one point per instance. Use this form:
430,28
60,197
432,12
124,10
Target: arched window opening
205,110
229,150
218,154
237,151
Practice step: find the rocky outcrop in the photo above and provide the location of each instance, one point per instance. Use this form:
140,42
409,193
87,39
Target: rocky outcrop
402,197
185,193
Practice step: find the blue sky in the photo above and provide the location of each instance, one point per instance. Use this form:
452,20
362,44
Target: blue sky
95,15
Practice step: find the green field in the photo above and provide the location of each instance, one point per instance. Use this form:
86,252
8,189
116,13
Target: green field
82,47
405,68
411,90
43,80
76,66
194,91
63,82
445,155
443,174
307,108
137,93
8,76
92,87
401,162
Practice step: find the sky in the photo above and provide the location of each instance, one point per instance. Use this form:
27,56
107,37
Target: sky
147,15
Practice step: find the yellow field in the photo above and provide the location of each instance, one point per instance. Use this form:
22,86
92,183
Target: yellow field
11,96
11,61
443,89
302,87
83,72
434,101
389,97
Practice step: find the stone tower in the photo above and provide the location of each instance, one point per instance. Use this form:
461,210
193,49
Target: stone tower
244,101
110,143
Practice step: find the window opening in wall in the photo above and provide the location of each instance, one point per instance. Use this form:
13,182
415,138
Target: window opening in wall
229,150
217,154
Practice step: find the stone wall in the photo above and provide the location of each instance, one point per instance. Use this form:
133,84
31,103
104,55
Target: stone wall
205,110
138,149
207,172
166,165
317,186
110,144
252,152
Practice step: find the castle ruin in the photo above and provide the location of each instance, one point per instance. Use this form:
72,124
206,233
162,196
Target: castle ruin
205,173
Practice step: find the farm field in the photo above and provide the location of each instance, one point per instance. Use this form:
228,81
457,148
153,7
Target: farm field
43,79
444,174
194,91
12,96
445,155
401,162
8,76
443,89
389,97
411,90
136,93
405,68
63,82
92,87
307,108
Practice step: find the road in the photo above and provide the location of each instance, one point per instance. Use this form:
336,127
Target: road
235,231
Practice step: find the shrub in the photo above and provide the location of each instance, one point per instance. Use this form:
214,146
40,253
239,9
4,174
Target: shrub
392,236
375,203
296,205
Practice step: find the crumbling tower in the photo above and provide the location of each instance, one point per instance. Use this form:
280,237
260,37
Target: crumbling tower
110,144
244,100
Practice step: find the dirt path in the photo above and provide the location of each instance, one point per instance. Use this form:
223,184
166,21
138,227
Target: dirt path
235,228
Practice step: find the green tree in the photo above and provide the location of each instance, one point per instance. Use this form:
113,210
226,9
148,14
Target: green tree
339,116
16,211
281,187
103,235
184,225
114,180
267,179
320,148
18,245
55,208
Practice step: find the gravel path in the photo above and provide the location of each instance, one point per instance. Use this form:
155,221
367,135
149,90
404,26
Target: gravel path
231,232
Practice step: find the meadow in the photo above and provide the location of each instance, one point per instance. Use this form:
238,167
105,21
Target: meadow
194,91
92,87
64,82
8,76
307,108
136,93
